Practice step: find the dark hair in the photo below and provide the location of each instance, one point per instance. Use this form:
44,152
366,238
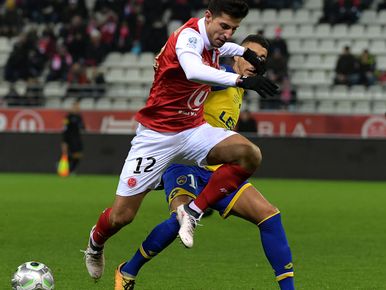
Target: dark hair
234,8
256,39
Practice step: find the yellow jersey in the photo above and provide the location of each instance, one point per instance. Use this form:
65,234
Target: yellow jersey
222,108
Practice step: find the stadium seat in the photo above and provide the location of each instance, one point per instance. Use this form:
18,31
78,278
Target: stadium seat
379,107
323,92
307,106
326,106
290,31
268,16
358,92
373,32
146,59
378,46
67,103
305,31
313,4
116,75
360,45
339,92
87,104
302,16
296,61
253,17
361,107
356,31
5,45
323,31
285,17
121,105
343,107
329,62
129,60
112,60
55,90
117,91
327,46
53,103
4,89
339,31
305,93
368,17
103,104
313,61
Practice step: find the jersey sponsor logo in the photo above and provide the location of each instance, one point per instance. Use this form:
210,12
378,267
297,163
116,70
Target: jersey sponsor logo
181,180
192,42
196,99
132,182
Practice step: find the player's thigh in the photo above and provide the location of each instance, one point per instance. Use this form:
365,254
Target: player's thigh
150,154
253,206
125,208
183,183
233,149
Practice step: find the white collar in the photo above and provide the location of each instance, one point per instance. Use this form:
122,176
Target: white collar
202,30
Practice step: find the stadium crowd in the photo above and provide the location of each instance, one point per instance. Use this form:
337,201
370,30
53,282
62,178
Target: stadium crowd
65,40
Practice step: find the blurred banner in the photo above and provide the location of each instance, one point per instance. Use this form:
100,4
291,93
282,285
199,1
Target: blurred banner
275,124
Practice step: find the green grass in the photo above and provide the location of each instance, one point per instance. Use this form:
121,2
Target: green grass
336,229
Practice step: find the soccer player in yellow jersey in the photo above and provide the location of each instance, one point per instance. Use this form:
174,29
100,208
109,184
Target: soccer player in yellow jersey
183,183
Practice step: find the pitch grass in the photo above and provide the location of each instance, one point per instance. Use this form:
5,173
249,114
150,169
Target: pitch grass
336,229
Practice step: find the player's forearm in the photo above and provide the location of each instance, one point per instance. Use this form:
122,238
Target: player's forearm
231,49
196,71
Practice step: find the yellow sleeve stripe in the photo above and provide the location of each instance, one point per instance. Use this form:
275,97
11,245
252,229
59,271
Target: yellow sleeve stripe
285,275
267,218
234,199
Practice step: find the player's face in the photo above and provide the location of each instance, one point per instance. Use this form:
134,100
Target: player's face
243,67
220,28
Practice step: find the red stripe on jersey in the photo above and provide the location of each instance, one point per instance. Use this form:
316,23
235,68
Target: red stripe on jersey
175,103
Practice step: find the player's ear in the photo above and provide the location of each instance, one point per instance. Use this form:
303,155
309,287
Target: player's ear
208,15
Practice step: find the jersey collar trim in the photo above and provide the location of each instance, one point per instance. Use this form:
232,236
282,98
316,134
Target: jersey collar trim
202,30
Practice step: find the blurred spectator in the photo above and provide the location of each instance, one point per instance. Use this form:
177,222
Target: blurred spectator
278,43
34,94
277,66
12,98
181,10
287,95
75,37
60,64
347,68
11,20
76,79
96,50
367,66
342,11
246,123
381,5
74,8
98,80
25,60
153,37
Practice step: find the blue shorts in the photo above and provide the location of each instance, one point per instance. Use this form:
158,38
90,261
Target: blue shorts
190,180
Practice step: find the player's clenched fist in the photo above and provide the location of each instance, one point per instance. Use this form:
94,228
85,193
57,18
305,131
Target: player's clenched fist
262,85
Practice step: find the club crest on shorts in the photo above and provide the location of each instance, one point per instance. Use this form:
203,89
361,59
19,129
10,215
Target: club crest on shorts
181,180
132,182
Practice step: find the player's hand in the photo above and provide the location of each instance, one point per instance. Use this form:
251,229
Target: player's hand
262,85
255,60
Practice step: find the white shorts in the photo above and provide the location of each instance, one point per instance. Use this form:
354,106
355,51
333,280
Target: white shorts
151,152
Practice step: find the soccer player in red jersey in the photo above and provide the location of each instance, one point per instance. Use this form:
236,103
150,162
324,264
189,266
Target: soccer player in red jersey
172,128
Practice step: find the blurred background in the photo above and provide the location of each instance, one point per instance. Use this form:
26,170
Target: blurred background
329,58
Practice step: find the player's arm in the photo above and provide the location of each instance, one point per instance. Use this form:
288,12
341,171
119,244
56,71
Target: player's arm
189,48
